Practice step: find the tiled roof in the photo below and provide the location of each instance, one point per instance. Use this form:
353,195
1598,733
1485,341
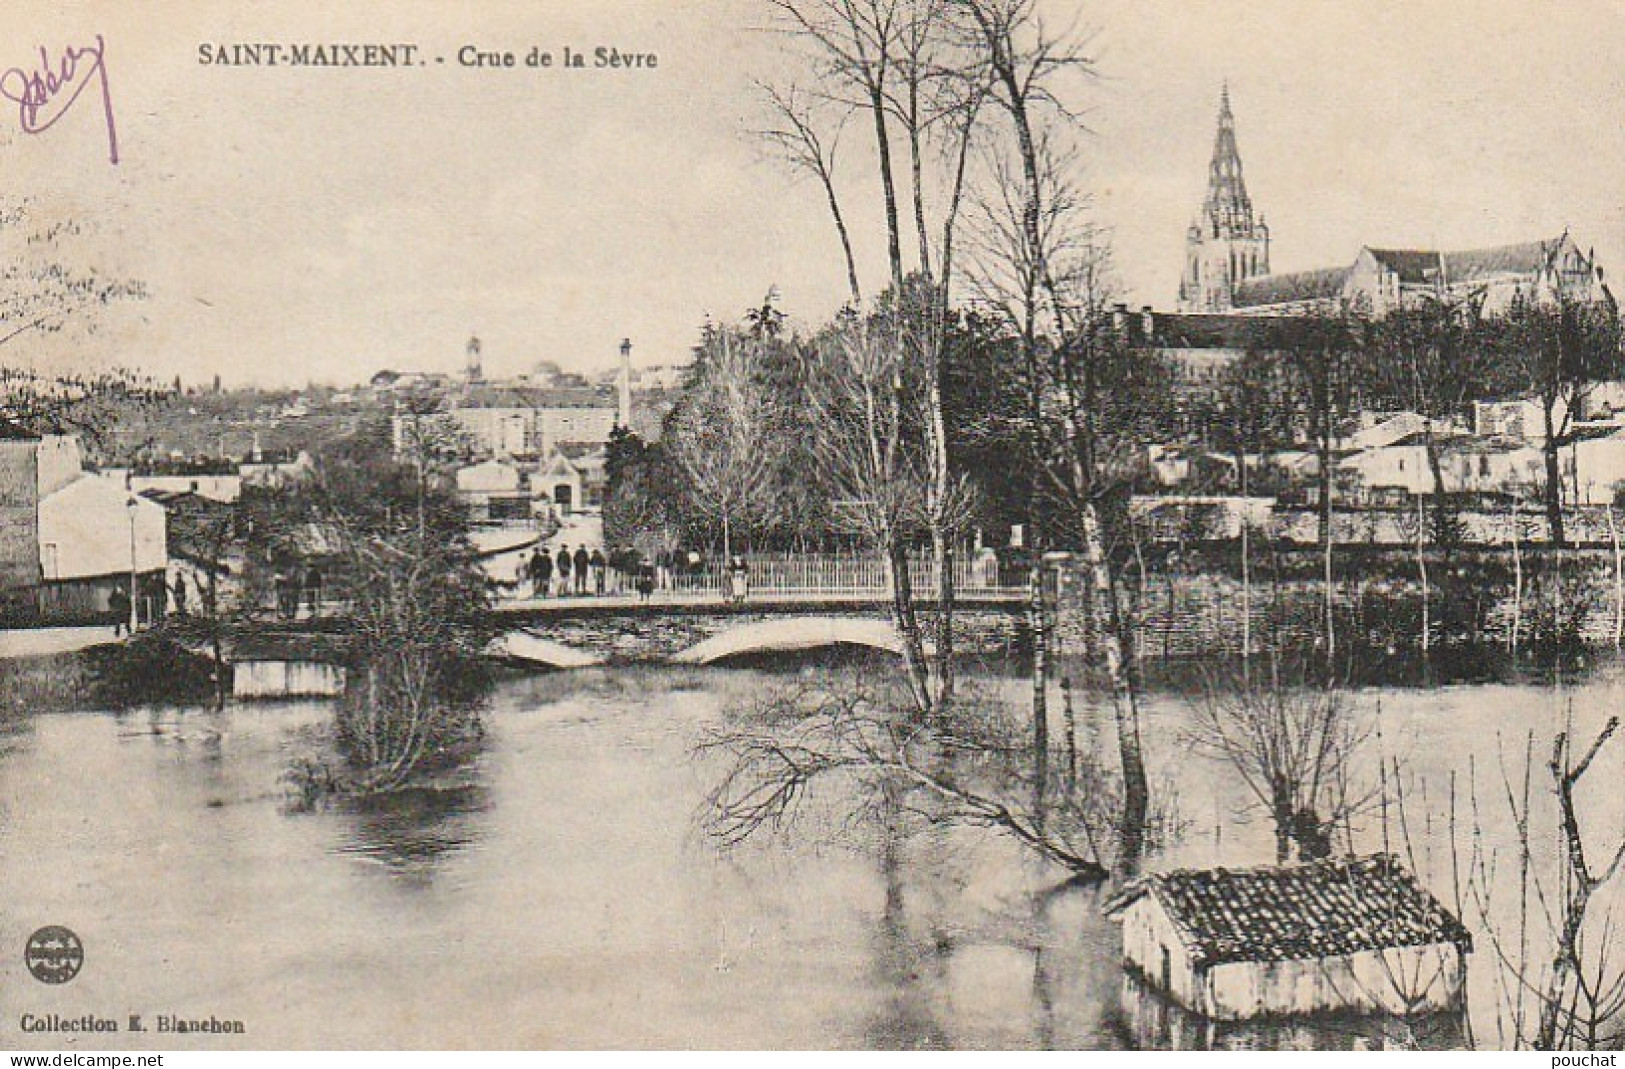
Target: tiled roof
1296,912
1323,284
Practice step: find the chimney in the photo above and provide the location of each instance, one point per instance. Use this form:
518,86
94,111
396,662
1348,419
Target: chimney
623,415
1120,320
1148,324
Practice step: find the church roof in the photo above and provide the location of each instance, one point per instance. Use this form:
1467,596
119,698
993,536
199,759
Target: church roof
1525,258
1323,284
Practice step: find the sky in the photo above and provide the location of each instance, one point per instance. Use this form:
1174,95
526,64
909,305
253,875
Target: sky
298,224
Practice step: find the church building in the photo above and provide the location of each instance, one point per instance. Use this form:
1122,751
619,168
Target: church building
1226,244
1227,262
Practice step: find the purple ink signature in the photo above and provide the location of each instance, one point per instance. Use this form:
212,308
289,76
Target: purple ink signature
46,93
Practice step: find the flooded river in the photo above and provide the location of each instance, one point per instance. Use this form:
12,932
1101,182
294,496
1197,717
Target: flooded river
569,899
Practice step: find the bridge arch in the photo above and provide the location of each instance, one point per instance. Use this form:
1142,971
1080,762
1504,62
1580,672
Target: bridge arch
533,649
791,633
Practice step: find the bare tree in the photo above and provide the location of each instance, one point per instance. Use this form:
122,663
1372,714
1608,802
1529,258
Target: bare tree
721,435
868,450
854,47
809,144
898,62
1292,746
1325,369
1551,921
1553,352
1038,263
51,288
1430,359
956,769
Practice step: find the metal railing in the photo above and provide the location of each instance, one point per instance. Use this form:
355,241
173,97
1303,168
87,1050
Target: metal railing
830,574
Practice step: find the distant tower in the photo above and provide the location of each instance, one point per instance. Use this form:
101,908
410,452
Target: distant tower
623,415
472,369
1225,244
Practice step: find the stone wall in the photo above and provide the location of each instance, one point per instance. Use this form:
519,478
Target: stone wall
623,637
1378,603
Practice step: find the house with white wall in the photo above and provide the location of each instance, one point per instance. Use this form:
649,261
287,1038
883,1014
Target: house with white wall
1356,935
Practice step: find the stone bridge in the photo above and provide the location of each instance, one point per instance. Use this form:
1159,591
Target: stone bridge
578,633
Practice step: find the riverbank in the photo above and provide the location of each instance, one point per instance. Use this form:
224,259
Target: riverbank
147,670
19,642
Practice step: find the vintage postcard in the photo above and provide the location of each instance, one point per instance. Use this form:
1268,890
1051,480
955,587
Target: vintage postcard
786,524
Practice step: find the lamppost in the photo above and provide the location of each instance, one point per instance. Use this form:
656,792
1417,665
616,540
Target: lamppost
135,574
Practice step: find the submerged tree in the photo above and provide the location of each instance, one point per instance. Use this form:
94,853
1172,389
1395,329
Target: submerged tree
863,747
418,610
1550,907
1293,747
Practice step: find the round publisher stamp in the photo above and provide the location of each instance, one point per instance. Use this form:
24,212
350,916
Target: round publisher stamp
54,954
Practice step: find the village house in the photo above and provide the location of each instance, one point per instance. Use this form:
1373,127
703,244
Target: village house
93,534
1592,463
493,490
1522,418
69,538
1468,464
1342,935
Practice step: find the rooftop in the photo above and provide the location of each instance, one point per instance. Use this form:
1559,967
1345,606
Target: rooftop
1207,330
1320,285
1411,265
1293,912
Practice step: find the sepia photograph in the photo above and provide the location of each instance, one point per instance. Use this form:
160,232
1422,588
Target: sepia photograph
794,525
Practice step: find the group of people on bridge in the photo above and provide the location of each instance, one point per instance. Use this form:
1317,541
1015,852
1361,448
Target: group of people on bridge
583,572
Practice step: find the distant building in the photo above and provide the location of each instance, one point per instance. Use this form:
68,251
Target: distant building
1226,244
1523,418
493,490
1380,281
559,483
1344,935
1201,345
1591,461
569,479
1468,464
1227,262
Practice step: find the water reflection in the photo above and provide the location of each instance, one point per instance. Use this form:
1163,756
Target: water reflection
1153,1022
413,832
907,966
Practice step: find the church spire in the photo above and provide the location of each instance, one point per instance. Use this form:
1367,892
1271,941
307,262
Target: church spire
1227,211
1226,244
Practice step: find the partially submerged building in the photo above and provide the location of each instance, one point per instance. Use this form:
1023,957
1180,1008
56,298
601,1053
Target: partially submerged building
1343,935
